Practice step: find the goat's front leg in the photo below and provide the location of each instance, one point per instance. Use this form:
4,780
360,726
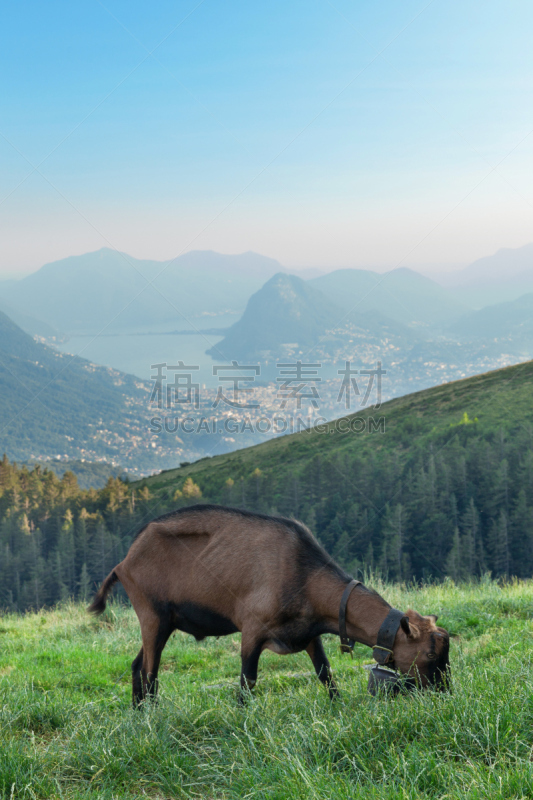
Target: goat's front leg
251,647
317,654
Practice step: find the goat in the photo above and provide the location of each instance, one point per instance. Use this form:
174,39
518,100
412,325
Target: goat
209,570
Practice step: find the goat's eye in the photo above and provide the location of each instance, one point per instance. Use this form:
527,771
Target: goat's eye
432,656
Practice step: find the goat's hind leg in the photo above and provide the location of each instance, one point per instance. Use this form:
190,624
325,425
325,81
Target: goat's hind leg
317,654
136,679
155,631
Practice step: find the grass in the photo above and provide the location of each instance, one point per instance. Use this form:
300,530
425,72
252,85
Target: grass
67,729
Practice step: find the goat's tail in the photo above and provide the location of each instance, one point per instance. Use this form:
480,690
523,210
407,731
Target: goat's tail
99,600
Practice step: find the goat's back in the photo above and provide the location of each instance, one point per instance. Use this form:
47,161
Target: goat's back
223,556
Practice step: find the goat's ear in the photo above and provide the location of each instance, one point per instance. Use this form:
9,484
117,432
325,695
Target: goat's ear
434,617
412,630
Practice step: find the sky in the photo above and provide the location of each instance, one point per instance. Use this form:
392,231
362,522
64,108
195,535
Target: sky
323,134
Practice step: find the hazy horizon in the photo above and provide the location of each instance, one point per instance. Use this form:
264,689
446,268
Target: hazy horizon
431,269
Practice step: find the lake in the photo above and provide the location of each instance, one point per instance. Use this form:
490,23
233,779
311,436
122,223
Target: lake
135,353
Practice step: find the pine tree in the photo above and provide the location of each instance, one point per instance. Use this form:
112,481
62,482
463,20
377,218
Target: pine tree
521,536
81,539
230,483
66,547
453,562
500,546
393,561
470,529
84,585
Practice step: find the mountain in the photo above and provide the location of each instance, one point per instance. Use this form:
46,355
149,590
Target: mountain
503,276
508,262
433,484
289,316
112,290
56,404
31,325
286,310
402,295
512,321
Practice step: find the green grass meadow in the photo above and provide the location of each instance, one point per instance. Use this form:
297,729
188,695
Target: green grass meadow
67,729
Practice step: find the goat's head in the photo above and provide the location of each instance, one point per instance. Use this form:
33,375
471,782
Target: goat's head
421,650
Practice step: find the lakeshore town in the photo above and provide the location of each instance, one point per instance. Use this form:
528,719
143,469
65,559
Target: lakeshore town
186,420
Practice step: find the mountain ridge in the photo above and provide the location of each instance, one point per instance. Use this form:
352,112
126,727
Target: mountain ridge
502,276
511,320
401,294
120,292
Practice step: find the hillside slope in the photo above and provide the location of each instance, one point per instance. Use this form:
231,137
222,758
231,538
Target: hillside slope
29,324
437,482
57,404
498,400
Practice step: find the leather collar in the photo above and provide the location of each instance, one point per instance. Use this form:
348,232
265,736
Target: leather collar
346,643
382,651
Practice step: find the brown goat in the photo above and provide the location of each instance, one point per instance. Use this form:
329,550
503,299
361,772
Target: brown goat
210,570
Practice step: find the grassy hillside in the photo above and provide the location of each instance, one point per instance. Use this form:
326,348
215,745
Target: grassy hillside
443,486
498,401
68,731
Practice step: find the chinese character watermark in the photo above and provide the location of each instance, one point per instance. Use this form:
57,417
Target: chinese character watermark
235,380
183,390
301,375
349,384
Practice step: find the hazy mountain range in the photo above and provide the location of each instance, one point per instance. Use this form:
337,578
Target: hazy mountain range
402,294
112,291
419,318
504,276
58,404
116,292
511,321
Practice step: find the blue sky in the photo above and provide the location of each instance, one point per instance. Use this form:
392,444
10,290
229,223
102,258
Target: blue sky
322,134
